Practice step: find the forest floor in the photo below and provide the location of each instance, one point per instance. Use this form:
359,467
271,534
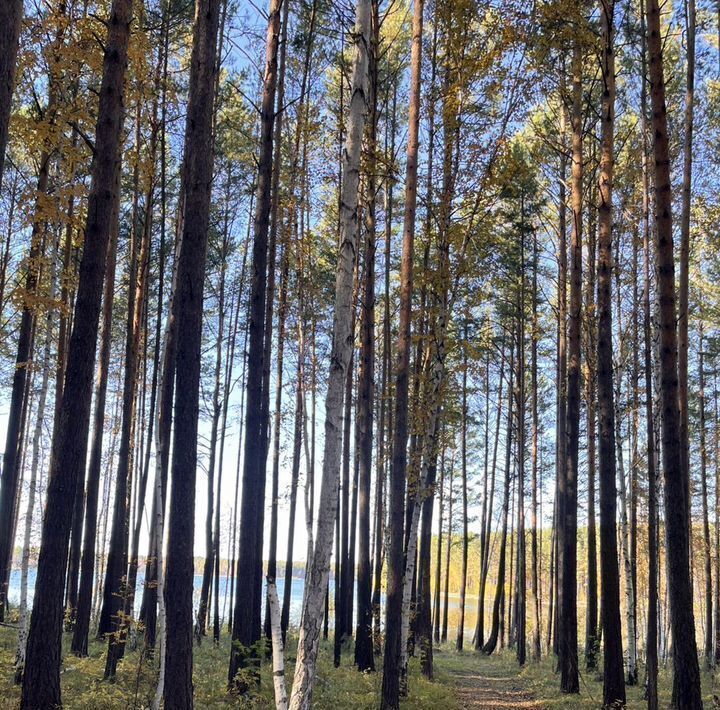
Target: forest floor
497,683
463,681
486,683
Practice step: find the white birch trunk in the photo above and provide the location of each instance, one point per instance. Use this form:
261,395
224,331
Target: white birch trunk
277,648
407,589
342,343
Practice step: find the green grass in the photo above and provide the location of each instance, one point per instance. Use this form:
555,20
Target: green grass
543,683
335,688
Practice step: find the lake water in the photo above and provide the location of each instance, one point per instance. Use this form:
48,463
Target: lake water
296,597
296,593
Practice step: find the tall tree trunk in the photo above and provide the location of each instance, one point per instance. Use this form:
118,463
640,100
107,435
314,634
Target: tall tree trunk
683,296
249,566
520,592
567,528
364,657
561,415
227,385
341,609
386,418
41,681
536,570
10,19
491,643
631,677
487,529
448,547
350,603
677,527
233,546
298,154
9,231
651,654
209,565
275,225
295,469
272,249
165,369
87,575
613,684
463,472
709,660
197,162
342,342
716,451
391,668
33,483
112,618
424,617
590,382
551,582
437,609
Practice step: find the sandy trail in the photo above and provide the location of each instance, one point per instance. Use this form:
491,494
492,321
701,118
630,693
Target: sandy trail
487,687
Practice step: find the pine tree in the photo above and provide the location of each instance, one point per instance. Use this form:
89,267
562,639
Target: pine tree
41,680
197,183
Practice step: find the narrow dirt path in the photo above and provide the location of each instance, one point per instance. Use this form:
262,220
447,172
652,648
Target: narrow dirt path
483,683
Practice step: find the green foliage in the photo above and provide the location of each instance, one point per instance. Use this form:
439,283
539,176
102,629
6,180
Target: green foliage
134,686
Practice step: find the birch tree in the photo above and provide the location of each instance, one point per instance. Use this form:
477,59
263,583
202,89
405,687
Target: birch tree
342,341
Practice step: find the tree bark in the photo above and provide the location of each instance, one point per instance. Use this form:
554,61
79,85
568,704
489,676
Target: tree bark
521,586
342,342
651,654
709,660
592,635
33,482
272,250
448,548
198,165
295,468
613,683
11,14
41,681
437,608
391,669
209,565
491,643
677,532
561,415
534,549
487,527
249,565
424,617
460,640
112,617
277,649
87,569
364,657
386,419
683,309
567,528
